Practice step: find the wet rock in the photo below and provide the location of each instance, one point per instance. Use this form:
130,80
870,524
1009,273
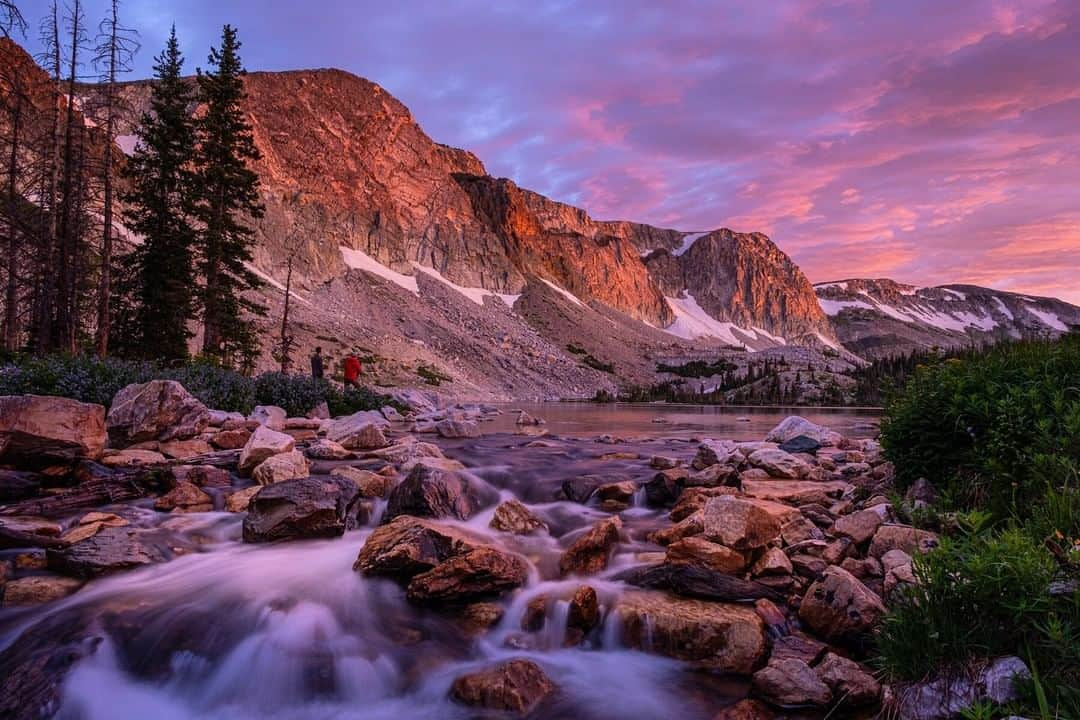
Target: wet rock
746,709
30,525
791,683
303,508
183,449
849,682
617,496
902,537
719,636
240,500
584,612
478,573
740,524
431,493
370,484
662,462
36,430
697,582
408,546
110,550
184,497
131,457
581,488
281,467
230,439
436,463
589,553
800,444
513,517
665,487
697,550
456,429
327,450
840,608
262,444
202,475
156,410
517,686
271,416
38,589
477,618
773,562
779,464
687,527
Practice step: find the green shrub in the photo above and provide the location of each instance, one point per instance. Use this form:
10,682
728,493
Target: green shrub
296,394
432,376
596,364
992,430
697,368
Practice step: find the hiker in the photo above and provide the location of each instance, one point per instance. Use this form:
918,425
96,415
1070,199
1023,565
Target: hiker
317,364
352,369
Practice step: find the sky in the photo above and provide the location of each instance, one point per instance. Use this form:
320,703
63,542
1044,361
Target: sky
929,141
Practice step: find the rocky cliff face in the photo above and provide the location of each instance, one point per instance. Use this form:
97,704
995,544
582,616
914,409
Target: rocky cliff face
877,318
746,280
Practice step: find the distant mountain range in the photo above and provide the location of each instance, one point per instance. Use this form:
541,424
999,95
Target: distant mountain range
409,253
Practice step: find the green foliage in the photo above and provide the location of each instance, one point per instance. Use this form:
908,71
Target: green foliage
697,368
994,430
432,376
596,364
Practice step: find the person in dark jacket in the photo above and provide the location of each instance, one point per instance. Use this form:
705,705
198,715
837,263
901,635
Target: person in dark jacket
352,370
317,364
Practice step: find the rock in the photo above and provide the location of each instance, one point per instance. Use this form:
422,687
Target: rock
719,636
713,476
584,612
665,487
182,449
902,537
370,484
302,423
798,647
589,553
321,411
408,546
697,550
131,457
240,500
791,683
363,436
218,418
391,414
230,439
946,698
773,562
794,426
36,430
894,559
795,492
202,475
921,494
262,444
344,427
156,410
109,550
406,450
454,429
863,568
185,497
517,686
581,488
477,618
431,493
746,709
859,526
849,682
303,508
513,517
800,444
800,530
271,416
839,607
478,573
662,462
38,589
279,468
692,500
779,464
738,523
616,496
327,450
30,525
714,452
900,575
697,582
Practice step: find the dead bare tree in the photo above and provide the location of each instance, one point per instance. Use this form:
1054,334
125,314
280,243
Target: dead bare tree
11,20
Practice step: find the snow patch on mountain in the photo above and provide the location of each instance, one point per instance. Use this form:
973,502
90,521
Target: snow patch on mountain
565,293
691,322
1049,319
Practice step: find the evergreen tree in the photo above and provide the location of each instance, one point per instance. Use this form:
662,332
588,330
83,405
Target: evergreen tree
228,197
160,207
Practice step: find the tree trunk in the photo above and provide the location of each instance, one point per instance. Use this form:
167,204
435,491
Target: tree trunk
11,293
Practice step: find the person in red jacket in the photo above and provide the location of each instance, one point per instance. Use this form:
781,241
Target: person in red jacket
352,369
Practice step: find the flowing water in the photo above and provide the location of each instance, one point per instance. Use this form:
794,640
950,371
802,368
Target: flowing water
290,631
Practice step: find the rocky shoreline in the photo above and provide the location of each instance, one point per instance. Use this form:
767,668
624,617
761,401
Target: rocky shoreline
769,561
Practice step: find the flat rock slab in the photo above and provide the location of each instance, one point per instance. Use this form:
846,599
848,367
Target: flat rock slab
794,491
110,550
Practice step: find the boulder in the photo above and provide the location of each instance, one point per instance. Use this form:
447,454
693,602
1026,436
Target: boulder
794,426
719,636
262,444
799,530
230,439
746,709
348,425
279,468
697,550
859,526
800,444
738,523
183,449
517,687
240,500
589,553
408,546
850,683
185,497
791,683
581,488
219,418
584,612
455,429
902,537
773,562
109,550
945,698
271,416
303,508
616,496
38,589
715,452
513,517
156,410
370,484
478,573
327,450
36,430
362,436
797,646
131,457
779,464
431,493
840,608
202,475
405,450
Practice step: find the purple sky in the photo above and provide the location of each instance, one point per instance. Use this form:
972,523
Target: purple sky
930,141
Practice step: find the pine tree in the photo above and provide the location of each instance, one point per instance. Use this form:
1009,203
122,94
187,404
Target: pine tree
228,197
160,206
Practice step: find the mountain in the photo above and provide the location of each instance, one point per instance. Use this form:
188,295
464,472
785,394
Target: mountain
878,318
